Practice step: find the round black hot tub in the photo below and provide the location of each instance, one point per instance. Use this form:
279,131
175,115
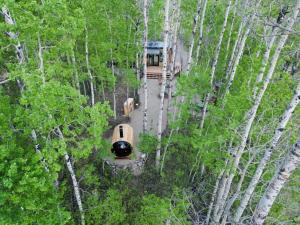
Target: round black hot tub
121,148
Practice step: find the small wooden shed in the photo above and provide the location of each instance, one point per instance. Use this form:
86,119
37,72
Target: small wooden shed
122,140
128,106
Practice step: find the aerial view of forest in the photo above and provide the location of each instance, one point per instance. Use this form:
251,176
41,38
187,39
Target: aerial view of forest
150,112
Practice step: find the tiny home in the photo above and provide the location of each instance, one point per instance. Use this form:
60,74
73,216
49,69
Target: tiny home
155,59
122,141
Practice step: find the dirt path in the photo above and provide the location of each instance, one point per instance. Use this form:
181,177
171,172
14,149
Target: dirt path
136,117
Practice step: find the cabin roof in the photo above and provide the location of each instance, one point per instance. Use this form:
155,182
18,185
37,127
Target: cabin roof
155,44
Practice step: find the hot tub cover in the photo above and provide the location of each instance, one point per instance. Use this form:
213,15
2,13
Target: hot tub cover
121,148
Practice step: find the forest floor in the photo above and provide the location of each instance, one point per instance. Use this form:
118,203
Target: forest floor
136,117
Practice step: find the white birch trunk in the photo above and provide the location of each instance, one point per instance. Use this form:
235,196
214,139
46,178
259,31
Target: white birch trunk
201,30
290,163
267,155
41,60
191,47
234,49
215,62
238,57
18,46
210,208
221,189
60,134
231,29
88,66
237,191
74,180
163,86
266,57
145,118
75,70
252,112
174,49
21,59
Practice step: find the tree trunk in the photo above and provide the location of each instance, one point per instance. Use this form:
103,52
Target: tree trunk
211,204
191,47
75,70
231,29
267,155
163,85
238,57
238,190
73,177
214,65
252,112
201,30
145,119
290,163
88,66
174,49
21,59
234,49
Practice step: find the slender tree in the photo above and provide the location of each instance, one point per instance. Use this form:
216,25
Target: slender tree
214,64
200,41
163,85
192,43
252,112
145,120
262,164
290,163
88,66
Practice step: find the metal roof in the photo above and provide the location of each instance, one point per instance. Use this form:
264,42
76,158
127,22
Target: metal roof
155,44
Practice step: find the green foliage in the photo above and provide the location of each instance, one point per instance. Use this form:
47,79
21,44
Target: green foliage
147,143
109,211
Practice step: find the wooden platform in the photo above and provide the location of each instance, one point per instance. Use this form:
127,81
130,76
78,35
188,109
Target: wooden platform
155,72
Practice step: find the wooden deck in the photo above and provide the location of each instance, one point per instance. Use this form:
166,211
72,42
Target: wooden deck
155,72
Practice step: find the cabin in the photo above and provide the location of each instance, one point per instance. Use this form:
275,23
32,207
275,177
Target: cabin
122,141
155,59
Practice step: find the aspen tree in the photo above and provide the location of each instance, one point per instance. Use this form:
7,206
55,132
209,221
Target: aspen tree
240,50
21,60
266,56
231,29
163,85
88,66
73,177
234,48
214,194
75,70
252,112
174,38
290,163
192,43
267,155
60,135
201,30
145,120
214,64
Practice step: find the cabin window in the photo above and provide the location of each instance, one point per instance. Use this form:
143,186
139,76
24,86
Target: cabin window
121,131
153,60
